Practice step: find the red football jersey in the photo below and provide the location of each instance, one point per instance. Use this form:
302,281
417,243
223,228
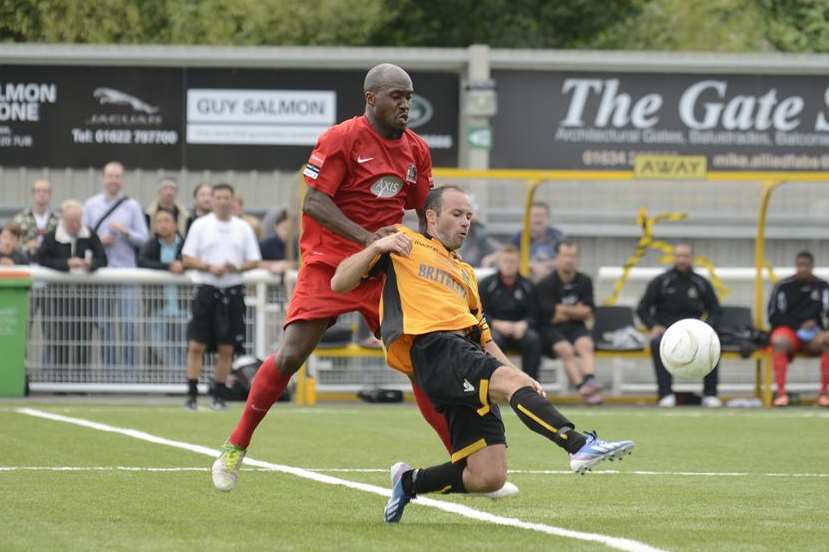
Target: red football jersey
371,179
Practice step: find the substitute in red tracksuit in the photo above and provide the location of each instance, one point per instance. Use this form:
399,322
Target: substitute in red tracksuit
798,310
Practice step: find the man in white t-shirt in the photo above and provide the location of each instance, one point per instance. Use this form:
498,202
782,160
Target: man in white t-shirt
220,247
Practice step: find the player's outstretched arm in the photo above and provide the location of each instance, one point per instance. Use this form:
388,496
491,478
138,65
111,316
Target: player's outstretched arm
352,270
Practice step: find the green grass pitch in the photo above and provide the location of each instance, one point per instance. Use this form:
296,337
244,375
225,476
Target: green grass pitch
698,480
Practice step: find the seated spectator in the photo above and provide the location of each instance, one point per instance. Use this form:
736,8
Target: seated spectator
162,305
565,299
39,219
10,252
798,309
676,294
167,192
202,197
478,248
239,211
68,318
544,240
509,302
280,250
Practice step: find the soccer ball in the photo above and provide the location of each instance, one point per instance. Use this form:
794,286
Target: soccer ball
690,349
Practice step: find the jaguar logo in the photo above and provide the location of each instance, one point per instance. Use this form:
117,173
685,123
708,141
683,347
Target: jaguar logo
112,96
420,111
387,186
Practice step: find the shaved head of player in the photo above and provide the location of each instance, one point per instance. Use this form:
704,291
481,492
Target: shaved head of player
388,91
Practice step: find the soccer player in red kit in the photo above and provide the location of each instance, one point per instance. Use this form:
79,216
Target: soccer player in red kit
361,176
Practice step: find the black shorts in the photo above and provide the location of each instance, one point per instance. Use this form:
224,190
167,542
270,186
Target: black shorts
550,336
455,372
218,317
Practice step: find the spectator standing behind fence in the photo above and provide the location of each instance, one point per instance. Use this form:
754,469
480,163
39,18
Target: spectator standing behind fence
566,303
220,247
798,310
544,240
39,219
478,248
201,205
163,311
119,223
510,304
279,251
239,211
69,315
10,252
167,193
675,294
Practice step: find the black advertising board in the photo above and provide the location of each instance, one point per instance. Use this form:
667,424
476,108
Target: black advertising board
601,121
195,118
84,116
262,119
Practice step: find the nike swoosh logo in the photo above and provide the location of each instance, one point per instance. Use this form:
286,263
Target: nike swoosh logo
364,160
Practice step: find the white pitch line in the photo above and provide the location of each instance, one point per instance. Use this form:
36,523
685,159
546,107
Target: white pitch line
618,543
385,470
603,472
97,468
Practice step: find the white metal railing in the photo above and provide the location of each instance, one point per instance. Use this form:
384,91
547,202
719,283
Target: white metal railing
82,339
125,329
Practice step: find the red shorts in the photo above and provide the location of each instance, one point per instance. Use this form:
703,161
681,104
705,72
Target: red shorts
790,335
313,298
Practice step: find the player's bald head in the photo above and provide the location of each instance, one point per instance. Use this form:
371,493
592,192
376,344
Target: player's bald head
386,75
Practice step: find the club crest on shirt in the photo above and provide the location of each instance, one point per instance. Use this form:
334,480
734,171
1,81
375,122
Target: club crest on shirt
387,186
692,293
411,174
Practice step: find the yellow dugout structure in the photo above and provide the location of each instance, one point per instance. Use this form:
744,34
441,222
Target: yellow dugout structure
646,168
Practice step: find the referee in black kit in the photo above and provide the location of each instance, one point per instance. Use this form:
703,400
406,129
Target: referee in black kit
220,247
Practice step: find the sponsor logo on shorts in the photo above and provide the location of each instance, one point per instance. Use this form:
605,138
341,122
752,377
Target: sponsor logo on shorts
468,387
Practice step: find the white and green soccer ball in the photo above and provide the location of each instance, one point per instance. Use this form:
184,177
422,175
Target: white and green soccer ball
690,349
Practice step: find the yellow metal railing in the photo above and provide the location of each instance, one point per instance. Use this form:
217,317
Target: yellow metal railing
533,179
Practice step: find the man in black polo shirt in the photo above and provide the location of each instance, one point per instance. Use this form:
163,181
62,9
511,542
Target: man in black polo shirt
676,294
565,305
509,302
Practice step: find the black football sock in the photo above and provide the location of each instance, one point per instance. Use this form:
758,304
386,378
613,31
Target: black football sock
444,478
219,390
587,379
193,388
540,416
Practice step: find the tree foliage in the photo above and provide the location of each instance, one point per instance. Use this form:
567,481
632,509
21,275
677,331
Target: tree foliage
701,25
500,23
798,25
216,22
670,25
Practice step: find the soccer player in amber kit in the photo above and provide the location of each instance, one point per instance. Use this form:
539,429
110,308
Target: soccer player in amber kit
433,329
